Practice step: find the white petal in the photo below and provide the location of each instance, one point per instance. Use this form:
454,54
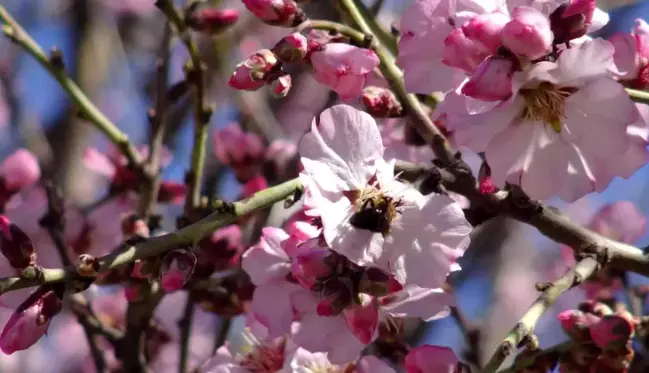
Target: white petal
271,306
414,301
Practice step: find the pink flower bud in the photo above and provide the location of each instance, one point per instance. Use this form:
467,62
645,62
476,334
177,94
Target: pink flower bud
576,323
253,186
281,160
171,192
177,268
219,251
15,245
241,79
528,34
362,318
291,48
17,171
280,86
492,80
485,29
30,321
381,102
243,151
307,268
462,52
250,73
612,332
343,68
431,359
276,12
204,18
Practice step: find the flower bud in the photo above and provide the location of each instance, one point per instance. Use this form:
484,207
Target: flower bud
241,79
581,7
15,245
30,320
253,186
381,102
177,267
362,318
276,12
485,182
576,323
291,48
528,34
243,151
309,267
280,86
17,171
612,332
202,17
378,283
219,251
462,52
492,80
428,358
485,29
171,192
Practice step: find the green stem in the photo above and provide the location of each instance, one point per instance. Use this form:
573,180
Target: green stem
638,96
393,75
17,34
202,112
386,38
525,327
154,246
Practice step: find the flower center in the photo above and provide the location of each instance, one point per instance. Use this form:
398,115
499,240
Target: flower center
322,368
267,357
375,211
546,104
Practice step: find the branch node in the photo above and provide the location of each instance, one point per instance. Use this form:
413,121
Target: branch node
56,59
32,273
543,286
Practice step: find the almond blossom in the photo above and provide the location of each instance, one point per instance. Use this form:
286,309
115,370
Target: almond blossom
560,131
632,55
367,215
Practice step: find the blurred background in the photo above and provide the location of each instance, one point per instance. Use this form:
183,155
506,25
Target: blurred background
110,47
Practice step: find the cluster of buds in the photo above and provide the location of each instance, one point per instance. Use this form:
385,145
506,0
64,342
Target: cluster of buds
602,338
202,17
381,102
265,66
284,13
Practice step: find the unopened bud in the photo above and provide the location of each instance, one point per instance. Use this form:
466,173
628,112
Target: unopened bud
612,332
30,320
202,17
276,12
291,48
279,87
15,245
381,102
576,323
486,185
250,73
177,267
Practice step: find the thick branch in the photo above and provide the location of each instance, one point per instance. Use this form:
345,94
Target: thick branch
521,364
54,66
188,235
525,327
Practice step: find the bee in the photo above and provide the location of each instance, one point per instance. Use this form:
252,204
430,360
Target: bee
376,213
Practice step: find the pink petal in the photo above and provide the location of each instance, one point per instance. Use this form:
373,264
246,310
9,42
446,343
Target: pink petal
20,170
97,162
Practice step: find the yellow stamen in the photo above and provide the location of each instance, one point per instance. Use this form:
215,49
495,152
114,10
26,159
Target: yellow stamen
546,104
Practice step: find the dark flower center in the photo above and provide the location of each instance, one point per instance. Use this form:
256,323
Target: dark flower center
375,212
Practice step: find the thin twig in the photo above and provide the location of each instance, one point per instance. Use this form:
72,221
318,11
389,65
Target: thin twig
521,364
525,327
54,66
185,325
202,112
189,235
638,96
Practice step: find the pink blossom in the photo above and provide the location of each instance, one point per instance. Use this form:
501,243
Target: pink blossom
275,12
30,321
242,79
425,26
280,86
431,359
310,265
268,264
402,143
243,151
211,20
621,221
18,171
272,354
559,129
462,52
372,364
632,54
485,29
363,318
343,68
528,34
347,180
492,80
253,186
291,48
612,332
381,102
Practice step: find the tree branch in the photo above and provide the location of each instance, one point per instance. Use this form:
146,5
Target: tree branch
54,65
185,325
202,112
525,327
520,365
189,235
638,96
